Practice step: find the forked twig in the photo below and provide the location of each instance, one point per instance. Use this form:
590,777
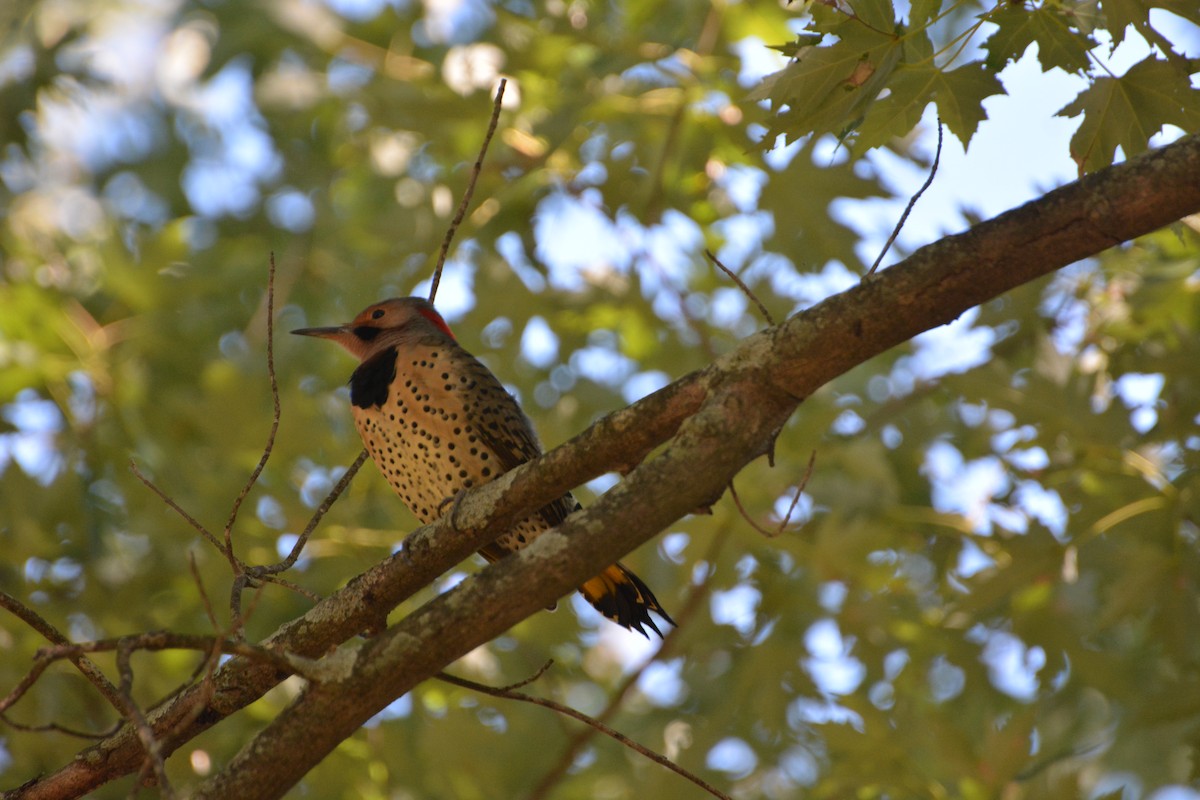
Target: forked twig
268,572
470,190
121,696
783,523
318,515
937,157
509,694
53,635
741,285
156,641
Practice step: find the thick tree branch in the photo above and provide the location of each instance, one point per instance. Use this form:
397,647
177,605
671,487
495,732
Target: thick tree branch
720,418
749,395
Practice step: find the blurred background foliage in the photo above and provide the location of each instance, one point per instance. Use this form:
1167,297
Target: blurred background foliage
990,586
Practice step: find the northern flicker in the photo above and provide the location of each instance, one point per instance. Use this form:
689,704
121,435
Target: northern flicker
436,421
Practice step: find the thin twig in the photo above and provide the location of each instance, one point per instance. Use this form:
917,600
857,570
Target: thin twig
937,157
783,523
133,712
466,199
54,727
265,571
584,718
53,635
519,684
304,592
737,501
741,285
208,609
155,641
691,605
170,502
318,515
237,614
266,455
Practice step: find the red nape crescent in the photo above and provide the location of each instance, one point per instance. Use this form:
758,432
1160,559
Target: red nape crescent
436,319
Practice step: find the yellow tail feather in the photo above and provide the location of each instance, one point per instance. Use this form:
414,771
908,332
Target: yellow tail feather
624,598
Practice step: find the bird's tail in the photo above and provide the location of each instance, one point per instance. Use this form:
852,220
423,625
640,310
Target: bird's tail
621,596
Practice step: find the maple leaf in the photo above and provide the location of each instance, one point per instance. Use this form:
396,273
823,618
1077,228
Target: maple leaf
1126,111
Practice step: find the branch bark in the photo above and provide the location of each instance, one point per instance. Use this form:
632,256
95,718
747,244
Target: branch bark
713,422
749,394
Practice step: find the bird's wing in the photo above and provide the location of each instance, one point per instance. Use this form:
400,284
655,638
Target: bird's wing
507,432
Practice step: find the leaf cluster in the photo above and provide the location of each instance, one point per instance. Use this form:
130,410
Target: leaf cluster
862,72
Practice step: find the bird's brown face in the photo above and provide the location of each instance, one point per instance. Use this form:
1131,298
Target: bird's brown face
361,336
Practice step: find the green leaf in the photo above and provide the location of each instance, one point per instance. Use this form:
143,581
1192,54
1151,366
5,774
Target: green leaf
795,48
1120,14
1182,8
1060,41
1126,111
878,14
959,95
923,11
828,89
910,91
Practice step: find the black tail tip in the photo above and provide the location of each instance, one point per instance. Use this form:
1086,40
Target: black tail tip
628,602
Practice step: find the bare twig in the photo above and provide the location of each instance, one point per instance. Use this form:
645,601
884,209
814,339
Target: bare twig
541,671
53,635
266,454
291,586
266,572
508,694
737,501
691,605
783,523
742,285
318,515
937,157
208,609
155,641
154,756
123,700
470,190
188,518
54,727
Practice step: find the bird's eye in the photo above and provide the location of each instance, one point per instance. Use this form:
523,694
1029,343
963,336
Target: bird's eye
377,313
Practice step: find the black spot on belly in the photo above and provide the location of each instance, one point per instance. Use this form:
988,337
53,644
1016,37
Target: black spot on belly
370,382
